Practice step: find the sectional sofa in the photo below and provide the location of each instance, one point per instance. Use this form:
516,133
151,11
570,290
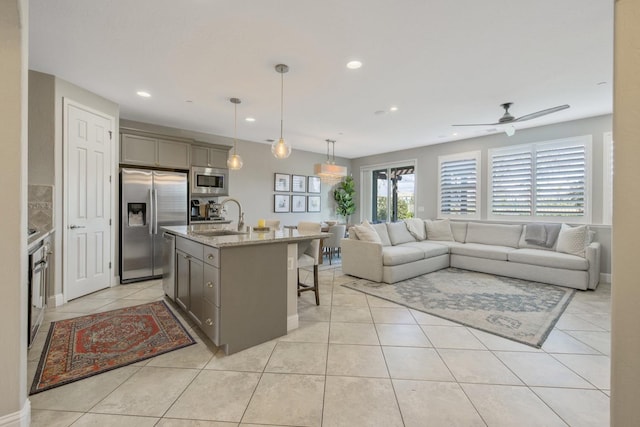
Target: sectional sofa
391,252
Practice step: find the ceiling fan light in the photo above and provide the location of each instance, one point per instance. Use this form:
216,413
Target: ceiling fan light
510,130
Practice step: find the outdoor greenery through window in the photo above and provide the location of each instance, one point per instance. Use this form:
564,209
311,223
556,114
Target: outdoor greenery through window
459,185
541,181
393,194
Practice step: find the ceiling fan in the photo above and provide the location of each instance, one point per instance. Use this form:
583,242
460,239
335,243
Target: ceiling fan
507,118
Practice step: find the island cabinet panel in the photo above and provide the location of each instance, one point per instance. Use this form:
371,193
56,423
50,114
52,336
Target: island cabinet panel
208,156
236,294
190,278
253,294
149,151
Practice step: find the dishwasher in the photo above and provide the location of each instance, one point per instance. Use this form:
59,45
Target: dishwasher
169,265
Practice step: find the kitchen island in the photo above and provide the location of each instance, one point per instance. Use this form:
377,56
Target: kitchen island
239,288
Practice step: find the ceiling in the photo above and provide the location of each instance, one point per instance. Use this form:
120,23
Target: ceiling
439,62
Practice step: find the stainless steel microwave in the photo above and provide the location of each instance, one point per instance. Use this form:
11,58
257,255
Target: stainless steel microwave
209,181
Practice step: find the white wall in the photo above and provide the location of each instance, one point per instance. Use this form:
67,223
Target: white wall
625,312
14,408
427,167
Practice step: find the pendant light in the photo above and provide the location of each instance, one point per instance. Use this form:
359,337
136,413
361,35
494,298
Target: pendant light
329,172
234,162
280,149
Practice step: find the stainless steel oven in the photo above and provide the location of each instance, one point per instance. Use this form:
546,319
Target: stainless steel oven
209,181
38,276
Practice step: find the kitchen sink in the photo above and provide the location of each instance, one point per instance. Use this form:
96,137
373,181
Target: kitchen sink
213,233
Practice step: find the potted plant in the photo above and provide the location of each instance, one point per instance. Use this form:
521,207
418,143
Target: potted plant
343,195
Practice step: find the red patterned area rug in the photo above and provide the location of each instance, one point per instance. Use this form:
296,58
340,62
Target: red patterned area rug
89,345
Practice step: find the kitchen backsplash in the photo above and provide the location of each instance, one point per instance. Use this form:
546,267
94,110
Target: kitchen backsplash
40,205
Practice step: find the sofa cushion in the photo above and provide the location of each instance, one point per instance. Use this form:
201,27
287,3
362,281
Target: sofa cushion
548,258
459,230
381,229
572,240
494,234
479,250
366,232
397,255
429,249
439,229
398,233
415,226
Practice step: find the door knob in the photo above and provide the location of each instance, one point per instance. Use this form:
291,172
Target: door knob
73,227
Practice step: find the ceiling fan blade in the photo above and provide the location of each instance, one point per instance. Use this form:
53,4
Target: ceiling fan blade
541,113
478,124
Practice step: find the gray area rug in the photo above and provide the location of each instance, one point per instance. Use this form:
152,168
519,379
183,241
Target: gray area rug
520,310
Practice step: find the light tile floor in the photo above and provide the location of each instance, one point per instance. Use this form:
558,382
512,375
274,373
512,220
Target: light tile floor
355,360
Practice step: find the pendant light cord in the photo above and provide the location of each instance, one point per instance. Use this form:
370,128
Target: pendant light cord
235,128
281,103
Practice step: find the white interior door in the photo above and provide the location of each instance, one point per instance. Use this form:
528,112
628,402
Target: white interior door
87,191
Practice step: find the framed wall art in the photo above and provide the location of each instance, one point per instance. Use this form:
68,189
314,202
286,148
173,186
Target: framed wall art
313,184
299,183
298,203
281,203
281,182
313,204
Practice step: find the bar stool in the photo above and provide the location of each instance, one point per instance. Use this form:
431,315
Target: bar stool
309,257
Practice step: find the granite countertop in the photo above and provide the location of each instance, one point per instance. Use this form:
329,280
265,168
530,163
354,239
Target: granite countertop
37,237
248,238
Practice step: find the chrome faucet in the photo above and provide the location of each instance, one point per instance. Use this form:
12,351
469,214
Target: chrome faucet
240,212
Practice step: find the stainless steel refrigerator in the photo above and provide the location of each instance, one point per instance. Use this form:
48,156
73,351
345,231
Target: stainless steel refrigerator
149,199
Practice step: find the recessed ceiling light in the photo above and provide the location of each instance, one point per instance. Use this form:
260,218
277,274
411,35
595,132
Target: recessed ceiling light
250,119
354,65
143,94
379,112
455,134
394,108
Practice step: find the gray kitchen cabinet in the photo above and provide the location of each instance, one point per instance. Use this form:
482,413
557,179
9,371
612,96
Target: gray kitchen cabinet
149,151
190,278
208,156
218,287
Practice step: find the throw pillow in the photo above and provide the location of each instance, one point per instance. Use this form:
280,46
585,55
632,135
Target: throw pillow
572,240
416,228
366,232
439,230
398,233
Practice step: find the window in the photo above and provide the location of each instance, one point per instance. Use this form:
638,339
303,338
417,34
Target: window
388,191
459,185
543,181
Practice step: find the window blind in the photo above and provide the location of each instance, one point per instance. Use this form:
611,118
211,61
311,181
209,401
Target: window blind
560,181
542,180
512,178
459,186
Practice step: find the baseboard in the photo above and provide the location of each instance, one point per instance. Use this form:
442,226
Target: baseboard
292,322
55,300
605,277
21,418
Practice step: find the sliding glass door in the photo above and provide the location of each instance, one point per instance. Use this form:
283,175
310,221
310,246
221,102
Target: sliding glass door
392,193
